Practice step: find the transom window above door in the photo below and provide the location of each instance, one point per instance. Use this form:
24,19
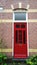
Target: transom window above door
20,15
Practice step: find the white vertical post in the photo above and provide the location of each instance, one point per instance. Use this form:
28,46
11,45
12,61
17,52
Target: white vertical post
20,4
12,32
28,6
27,32
12,7
12,38
27,37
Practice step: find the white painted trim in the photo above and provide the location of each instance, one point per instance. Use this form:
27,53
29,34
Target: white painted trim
12,38
11,11
27,37
11,20
13,17
12,7
10,50
28,6
20,4
33,50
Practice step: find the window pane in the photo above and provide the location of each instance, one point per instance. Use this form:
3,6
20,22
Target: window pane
20,36
24,37
22,26
16,36
20,15
17,26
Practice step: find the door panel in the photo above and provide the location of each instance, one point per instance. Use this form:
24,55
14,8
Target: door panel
20,40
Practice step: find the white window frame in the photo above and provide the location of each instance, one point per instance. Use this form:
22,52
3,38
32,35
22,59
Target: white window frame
20,20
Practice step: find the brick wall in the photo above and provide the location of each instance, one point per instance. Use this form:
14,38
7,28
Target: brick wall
6,28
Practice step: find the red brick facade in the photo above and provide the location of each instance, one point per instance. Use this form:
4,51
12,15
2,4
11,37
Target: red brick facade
6,28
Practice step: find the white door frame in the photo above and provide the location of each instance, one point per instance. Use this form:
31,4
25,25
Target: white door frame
13,31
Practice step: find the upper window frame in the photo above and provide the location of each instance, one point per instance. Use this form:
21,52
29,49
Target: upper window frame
20,20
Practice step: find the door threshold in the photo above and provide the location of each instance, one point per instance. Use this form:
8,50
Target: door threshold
19,59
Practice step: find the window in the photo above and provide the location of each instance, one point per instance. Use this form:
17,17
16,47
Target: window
22,26
20,15
17,26
24,37
20,38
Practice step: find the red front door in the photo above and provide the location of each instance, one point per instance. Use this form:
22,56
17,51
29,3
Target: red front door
20,40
